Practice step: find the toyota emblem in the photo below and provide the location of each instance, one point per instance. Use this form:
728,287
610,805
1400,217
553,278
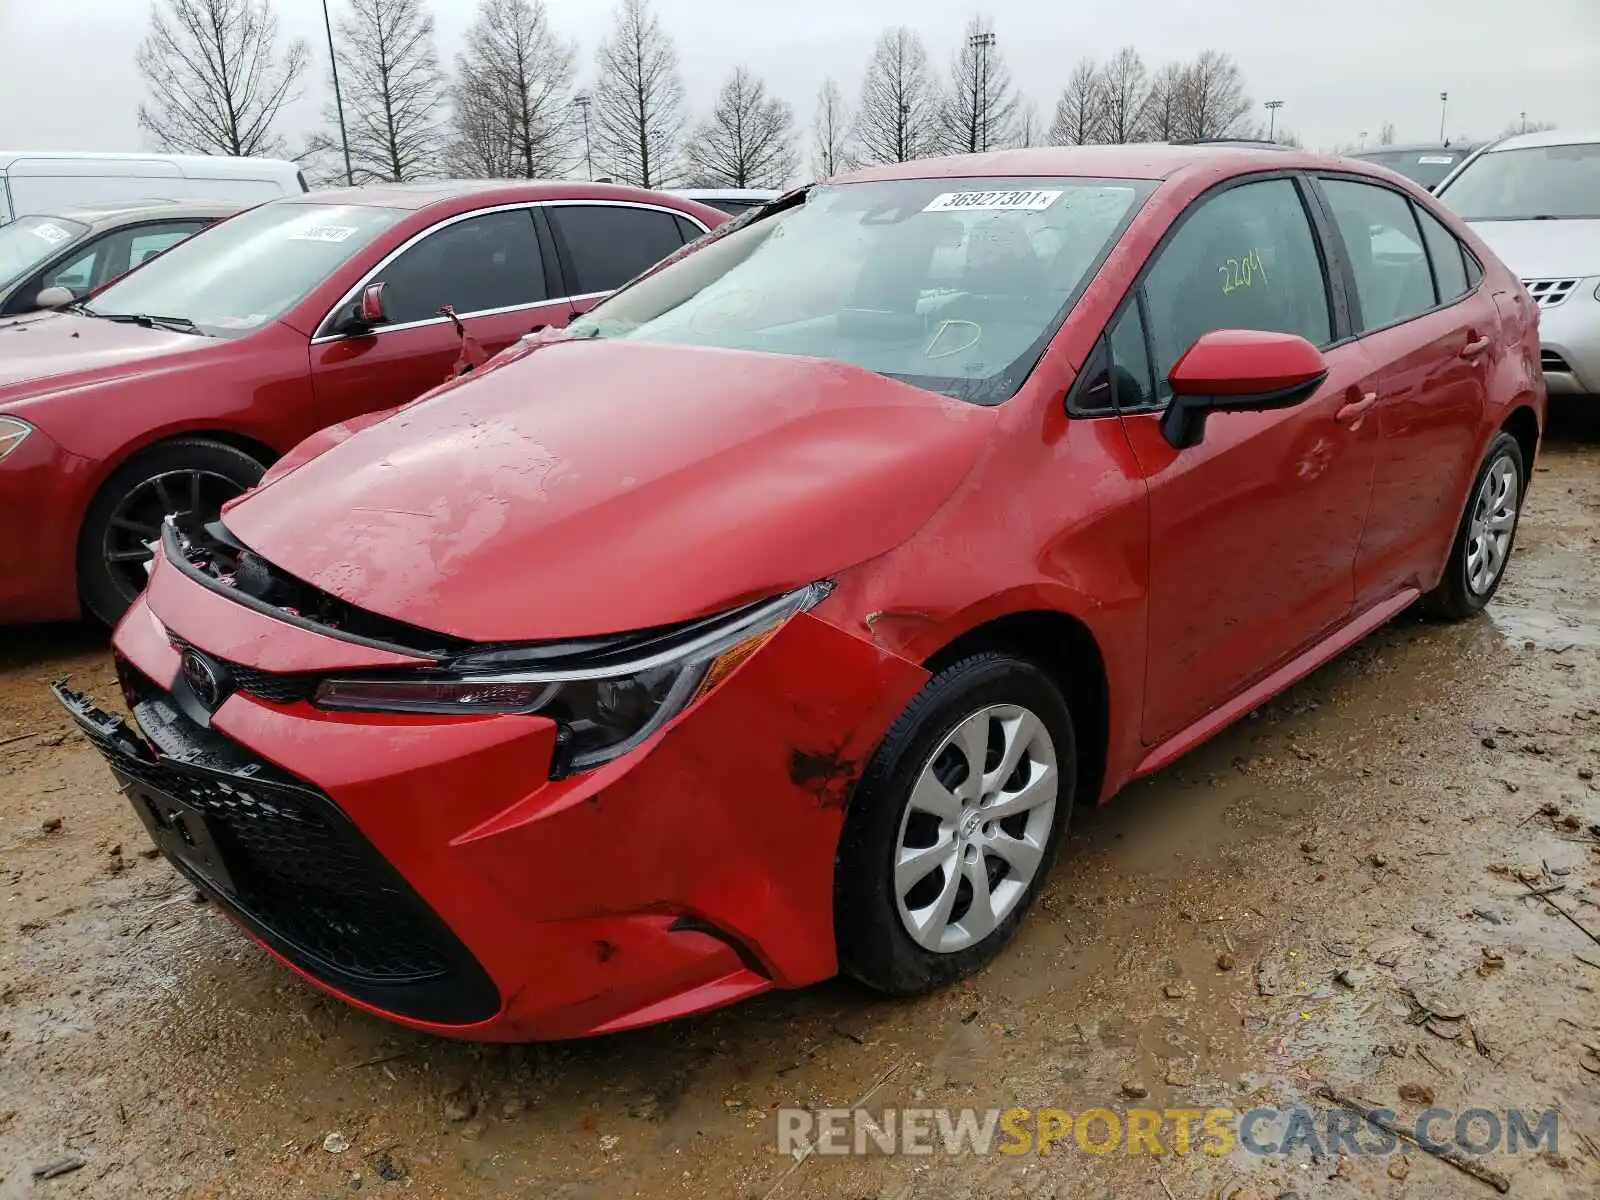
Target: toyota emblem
206,679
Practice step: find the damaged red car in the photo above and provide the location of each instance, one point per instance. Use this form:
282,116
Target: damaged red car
772,619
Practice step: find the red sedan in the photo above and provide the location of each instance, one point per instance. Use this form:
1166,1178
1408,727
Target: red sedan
172,389
770,620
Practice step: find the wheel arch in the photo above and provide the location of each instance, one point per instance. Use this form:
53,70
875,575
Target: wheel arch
1522,423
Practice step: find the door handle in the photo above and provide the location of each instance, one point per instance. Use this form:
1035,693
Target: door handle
1351,414
1473,349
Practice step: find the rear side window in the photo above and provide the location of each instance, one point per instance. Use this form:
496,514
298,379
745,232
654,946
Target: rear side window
1243,259
1381,236
688,230
476,265
1449,269
607,245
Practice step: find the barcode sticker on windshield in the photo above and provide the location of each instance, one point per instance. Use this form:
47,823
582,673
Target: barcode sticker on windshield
323,233
1036,201
53,234
1438,160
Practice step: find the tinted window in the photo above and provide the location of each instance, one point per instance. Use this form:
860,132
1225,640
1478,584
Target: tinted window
607,245
688,230
1385,247
1244,259
1522,185
481,263
1449,272
1474,267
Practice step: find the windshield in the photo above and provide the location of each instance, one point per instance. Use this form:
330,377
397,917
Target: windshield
243,272
1525,185
28,241
1427,167
954,285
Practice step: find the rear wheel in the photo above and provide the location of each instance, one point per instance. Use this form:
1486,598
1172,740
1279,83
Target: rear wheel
190,478
1485,536
954,826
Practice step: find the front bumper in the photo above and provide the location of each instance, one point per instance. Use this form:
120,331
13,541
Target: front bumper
42,490
693,871
1569,343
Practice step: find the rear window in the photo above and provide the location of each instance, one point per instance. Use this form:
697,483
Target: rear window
29,241
1427,167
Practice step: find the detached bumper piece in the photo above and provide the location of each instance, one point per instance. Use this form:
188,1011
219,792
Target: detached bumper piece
288,864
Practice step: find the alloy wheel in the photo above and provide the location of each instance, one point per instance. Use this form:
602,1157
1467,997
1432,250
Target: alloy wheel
976,827
1494,520
192,497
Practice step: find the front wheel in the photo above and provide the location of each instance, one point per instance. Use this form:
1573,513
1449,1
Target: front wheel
954,826
1484,538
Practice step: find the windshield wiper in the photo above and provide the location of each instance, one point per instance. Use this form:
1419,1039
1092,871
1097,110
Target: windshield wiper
178,324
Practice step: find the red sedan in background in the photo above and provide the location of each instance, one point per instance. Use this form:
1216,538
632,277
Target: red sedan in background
171,390
770,619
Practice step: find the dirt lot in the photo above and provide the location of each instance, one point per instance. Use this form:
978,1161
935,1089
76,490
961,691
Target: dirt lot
1279,910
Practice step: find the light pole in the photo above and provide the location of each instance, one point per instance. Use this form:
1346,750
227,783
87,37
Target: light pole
338,97
981,43
582,101
1272,119
1444,107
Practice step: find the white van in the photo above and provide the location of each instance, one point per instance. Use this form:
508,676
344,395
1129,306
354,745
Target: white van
52,182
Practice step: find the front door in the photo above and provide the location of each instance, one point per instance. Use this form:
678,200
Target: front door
487,267
1254,532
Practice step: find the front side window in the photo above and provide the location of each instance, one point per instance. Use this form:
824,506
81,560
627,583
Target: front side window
608,244
28,241
1381,237
238,275
1534,184
954,285
146,243
1245,258
482,263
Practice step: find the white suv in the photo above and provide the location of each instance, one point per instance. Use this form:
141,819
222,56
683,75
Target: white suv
1535,198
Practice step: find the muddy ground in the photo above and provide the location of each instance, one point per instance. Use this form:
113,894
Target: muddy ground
1264,917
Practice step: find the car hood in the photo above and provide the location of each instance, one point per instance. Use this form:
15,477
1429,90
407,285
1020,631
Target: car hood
1562,249
66,350
599,487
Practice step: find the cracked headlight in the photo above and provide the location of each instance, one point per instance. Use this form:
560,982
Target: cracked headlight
602,709
13,432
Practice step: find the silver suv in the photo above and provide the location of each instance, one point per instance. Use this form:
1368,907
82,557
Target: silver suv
1535,198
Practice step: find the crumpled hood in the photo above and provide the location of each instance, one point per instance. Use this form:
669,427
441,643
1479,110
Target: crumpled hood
598,487
1564,249
63,350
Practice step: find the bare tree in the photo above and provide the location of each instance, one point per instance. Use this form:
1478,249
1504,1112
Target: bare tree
748,141
638,99
1212,99
1386,134
1166,99
1080,112
832,151
1026,129
393,90
1523,125
899,116
1125,97
217,82
980,105
512,97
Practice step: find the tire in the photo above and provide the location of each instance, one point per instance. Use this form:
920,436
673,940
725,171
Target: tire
873,919
129,505
1497,492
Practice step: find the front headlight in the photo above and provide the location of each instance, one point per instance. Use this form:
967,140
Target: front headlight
13,432
602,710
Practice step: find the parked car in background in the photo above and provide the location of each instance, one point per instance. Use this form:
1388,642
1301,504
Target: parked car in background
1425,163
52,181
170,390
50,260
1535,199
772,618
733,201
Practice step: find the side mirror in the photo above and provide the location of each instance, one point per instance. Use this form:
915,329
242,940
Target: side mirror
1238,370
54,297
370,308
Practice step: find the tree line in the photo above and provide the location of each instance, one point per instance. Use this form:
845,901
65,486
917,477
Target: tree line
219,75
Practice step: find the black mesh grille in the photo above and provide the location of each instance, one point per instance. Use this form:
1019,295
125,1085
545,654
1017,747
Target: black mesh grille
273,687
303,877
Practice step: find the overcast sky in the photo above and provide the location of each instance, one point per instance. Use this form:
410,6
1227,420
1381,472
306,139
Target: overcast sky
67,77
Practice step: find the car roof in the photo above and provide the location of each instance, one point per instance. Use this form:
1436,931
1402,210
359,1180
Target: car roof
111,216
1141,160
416,196
1548,137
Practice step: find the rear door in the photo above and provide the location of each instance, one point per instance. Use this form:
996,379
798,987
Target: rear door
603,245
1429,327
490,267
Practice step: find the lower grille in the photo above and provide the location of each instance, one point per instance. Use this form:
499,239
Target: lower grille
1548,293
302,876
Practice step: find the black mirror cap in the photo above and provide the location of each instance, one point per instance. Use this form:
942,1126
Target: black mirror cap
1183,423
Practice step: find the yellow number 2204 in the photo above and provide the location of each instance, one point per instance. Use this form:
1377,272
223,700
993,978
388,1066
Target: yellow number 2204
1242,272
